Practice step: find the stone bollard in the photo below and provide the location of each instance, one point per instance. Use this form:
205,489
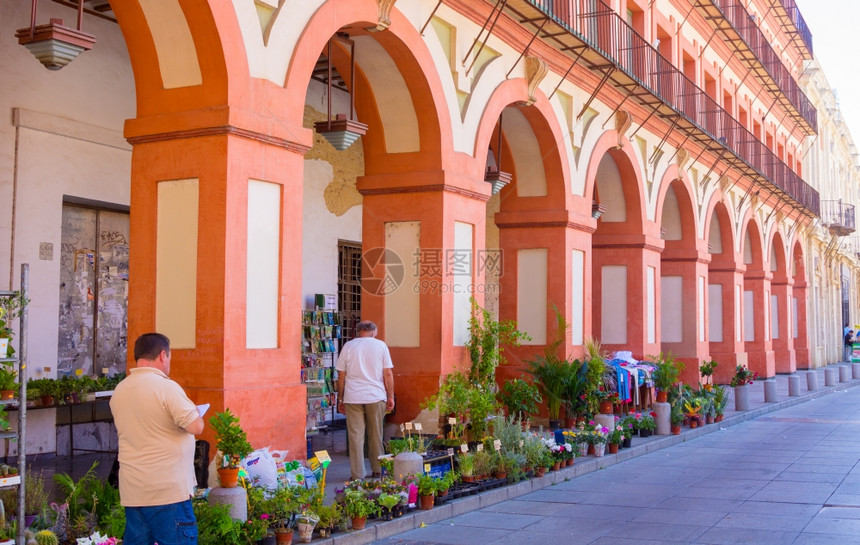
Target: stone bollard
812,380
742,397
663,420
844,373
770,390
855,370
605,420
831,376
793,385
235,497
408,463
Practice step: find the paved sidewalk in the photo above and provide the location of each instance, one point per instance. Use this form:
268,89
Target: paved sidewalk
789,476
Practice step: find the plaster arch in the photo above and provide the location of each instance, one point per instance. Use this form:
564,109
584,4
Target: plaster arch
752,245
163,39
546,135
676,204
631,182
418,79
719,213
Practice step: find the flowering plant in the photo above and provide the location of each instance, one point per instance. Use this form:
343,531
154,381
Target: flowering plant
743,376
628,423
97,539
616,435
645,421
597,434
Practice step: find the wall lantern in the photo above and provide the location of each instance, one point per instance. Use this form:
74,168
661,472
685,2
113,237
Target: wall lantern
597,209
341,131
55,45
494,174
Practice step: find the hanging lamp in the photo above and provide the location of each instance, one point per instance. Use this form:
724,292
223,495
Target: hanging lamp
494,174
55,45
341,131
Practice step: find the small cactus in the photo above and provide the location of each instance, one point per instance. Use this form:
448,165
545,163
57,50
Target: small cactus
46,537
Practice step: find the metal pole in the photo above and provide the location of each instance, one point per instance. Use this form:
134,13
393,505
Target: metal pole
22,401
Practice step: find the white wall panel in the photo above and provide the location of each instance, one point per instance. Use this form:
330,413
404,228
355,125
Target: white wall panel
263,264
613,304
531,293
671,309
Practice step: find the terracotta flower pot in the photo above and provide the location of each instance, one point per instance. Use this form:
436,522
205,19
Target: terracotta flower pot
427,502
605,407
555,466
676,430
229,477
47,401
662,396
467,478
568,462
570,422
358,523
613,448
7,394
284,538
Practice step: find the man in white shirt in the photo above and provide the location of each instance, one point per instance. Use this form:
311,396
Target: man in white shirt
365,392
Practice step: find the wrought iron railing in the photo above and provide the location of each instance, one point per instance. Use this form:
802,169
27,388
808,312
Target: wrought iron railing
602,29
838,217
798,21
745,26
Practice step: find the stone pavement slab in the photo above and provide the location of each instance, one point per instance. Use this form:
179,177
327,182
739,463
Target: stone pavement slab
788,476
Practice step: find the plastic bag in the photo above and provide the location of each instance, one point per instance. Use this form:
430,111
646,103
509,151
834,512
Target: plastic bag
262,469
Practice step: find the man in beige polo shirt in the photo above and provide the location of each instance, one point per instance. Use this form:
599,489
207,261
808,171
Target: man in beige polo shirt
156,424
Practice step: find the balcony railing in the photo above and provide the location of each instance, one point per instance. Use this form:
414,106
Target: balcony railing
782,81
803,32
599,28
838,217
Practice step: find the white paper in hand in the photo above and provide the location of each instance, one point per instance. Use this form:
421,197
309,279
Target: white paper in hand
202,409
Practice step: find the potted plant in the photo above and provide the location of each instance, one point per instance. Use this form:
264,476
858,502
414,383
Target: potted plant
521,399
667,372
466,465
446,482
427,487
742,378
599,436
331,516
358,506
676,417
387,503
10,308
707,369
8,377
616,435
551,372
721,399
233,443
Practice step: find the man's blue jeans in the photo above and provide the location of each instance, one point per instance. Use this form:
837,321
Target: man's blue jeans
172,524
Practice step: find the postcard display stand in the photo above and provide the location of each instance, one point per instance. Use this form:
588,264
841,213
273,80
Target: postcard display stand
321,331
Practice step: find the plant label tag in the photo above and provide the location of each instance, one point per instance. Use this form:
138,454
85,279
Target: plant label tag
464,448
402,427
497,444
521,443
418,426
409,426
452,420
426,468
450,452
322,456
480,447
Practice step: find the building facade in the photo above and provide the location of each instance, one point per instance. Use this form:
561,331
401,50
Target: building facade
666,163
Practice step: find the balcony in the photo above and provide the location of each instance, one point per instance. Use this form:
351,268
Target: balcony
788,15
740,32
590,32
838,217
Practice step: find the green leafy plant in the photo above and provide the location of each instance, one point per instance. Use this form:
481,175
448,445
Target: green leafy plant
721,399
230,437
357,504
10,309
550,370
487,341
8,376
667,372
215,526
330,515
707,369
427,485
520,397
466,464
595,371
35,495
82,497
